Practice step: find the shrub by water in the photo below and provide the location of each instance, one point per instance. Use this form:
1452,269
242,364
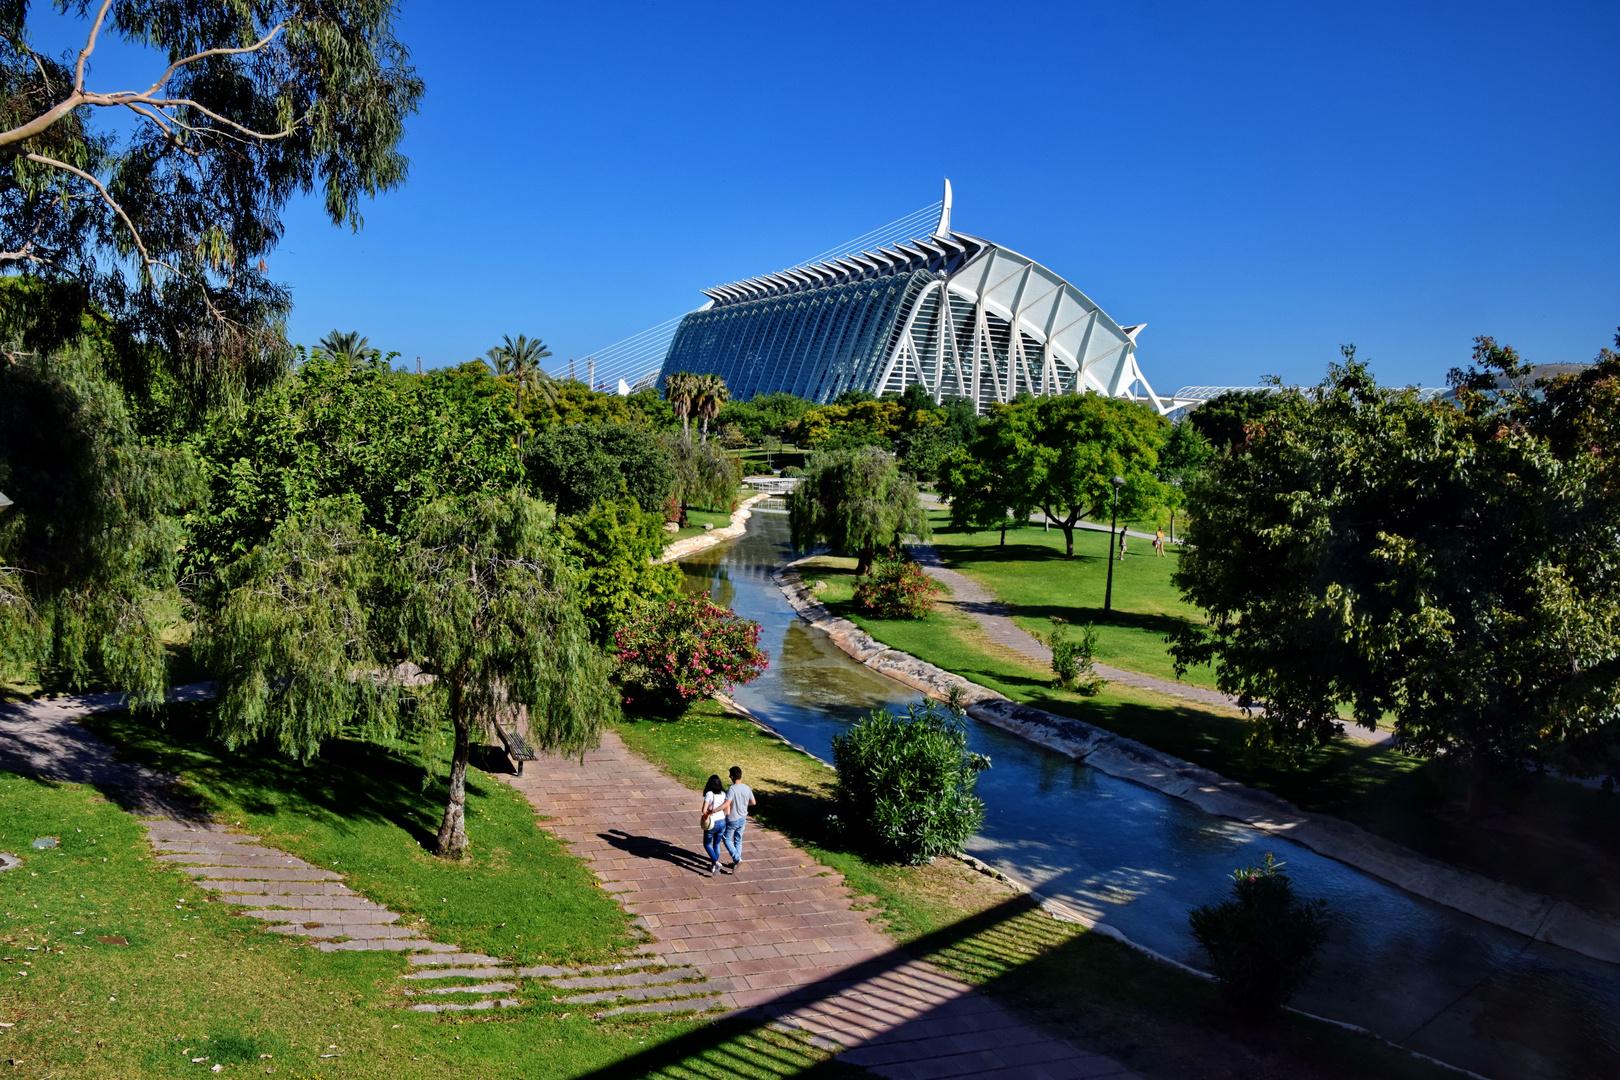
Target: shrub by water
1262,942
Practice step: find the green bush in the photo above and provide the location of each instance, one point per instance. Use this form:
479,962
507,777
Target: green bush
792,471
1262,942
897,588
905,783
1072,664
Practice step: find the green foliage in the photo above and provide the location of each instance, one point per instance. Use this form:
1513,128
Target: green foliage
856,501
576,466
705,475
896,589
763,415
89,548
388,440
1262,942
675,651
1059,455
311,95
905,783
1448,563
1224,421
615,543
1072,665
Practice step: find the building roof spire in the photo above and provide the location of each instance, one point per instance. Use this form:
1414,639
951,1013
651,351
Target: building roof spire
944,230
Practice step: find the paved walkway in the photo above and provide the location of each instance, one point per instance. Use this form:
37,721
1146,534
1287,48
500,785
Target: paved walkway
991,614
779,939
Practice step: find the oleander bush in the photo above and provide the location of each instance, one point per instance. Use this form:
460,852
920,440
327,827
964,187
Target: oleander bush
1262,941
905,783
671,652
897,588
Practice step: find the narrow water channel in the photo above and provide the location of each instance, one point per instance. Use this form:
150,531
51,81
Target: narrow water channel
1422,975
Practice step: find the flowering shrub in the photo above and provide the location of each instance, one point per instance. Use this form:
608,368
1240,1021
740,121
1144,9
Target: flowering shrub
897,588
1262,942
672,651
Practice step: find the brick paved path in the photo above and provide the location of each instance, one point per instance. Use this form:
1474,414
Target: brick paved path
779,938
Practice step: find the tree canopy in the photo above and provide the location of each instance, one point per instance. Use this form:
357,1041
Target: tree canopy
1450,563
166,213
856,501
575,466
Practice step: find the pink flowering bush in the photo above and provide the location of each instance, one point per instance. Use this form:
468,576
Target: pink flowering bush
897,588
673,651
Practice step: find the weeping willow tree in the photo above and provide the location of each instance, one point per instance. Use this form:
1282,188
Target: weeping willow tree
317,632
90,547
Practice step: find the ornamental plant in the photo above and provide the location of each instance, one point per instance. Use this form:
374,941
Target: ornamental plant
905,783
1072,664
1262,941
673,651
896,589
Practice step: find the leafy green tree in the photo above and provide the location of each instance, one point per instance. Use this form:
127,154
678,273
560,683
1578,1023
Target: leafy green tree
1186,453
1059,455
168,212
764,414
318,628
705,475
89,550
856,501
615,544
1445,562
578,465
977,481
1224,420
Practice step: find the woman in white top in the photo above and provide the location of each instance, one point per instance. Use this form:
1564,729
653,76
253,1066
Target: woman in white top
713,820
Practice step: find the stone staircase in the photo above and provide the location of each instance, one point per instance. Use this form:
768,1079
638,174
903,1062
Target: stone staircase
641,984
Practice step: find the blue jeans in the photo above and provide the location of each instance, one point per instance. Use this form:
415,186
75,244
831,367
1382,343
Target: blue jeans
711,841
732,835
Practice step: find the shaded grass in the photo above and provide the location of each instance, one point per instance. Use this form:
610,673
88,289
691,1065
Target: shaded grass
1544,834
696,519
197,979
1083,986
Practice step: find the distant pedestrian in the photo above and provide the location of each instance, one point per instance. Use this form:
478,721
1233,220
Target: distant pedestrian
1122,545
713,819
739,797
1158,542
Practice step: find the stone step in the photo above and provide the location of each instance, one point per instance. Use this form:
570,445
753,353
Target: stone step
375,944
684,1005
332,930
257,859
304,902
631,978
237,887
258,873
480,988
372,916
457,958
639,993
498,1003
462,973
632,964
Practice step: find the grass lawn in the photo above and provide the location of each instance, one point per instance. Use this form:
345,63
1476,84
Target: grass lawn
1086,987
196,979
1036,580
695,520
1544,834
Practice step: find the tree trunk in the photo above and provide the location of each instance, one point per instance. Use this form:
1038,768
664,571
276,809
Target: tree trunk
864,565
1003,532
452,840
1068,540
686,428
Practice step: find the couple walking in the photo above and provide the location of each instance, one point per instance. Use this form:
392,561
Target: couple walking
724,814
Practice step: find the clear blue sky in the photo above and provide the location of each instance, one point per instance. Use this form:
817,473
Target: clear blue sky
1258,183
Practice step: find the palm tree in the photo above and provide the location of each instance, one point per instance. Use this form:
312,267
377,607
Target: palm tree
711,394
680,390
520,358
349,348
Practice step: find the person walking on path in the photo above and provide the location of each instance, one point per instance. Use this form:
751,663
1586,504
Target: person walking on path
1122,545
713,819
739,797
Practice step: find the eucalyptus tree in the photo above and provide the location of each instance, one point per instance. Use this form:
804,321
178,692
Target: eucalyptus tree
164,198
327,630
858,501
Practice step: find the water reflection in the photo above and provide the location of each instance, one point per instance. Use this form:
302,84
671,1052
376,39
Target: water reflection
1426,976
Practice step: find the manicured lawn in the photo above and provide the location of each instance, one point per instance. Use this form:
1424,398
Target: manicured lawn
1544,834
1032,576
1089,988
198,980
696,519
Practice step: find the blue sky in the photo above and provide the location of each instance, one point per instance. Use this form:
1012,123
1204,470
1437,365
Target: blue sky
1258,183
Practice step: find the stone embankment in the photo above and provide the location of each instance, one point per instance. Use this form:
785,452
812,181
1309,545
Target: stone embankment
680,549
1541,918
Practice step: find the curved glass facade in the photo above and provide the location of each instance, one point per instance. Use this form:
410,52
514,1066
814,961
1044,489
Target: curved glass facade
815,344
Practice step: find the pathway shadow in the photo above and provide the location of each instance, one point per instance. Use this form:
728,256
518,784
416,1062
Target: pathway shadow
651,847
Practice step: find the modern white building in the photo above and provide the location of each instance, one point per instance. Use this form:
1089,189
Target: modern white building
953,313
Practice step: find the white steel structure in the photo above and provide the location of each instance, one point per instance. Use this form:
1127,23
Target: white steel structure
953,313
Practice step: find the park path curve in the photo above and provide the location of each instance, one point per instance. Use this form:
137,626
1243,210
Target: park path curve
780,939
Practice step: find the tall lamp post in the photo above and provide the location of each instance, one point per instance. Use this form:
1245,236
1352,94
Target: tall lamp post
1108,594
1177,482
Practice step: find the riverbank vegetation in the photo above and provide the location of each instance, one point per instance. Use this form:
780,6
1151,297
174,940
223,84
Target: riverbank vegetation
1094,991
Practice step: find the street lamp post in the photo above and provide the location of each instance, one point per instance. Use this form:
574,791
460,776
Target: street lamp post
1177,482
1108,594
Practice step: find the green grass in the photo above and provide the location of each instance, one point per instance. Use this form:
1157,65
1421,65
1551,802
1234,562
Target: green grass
1036,580
1088,988
1545,834
197,979
696,519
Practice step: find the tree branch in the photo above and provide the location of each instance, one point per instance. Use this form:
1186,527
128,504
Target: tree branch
89,47
140,245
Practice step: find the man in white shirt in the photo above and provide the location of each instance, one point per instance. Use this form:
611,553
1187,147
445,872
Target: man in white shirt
741,797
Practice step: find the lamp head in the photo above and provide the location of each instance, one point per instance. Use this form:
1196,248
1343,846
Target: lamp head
1118,481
